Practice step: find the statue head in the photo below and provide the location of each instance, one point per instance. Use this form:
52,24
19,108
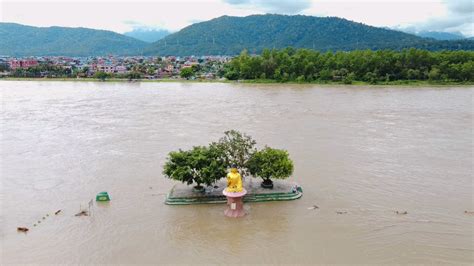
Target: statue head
233,169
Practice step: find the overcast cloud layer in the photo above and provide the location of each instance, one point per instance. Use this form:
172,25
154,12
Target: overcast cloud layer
173,15
458,18
273,6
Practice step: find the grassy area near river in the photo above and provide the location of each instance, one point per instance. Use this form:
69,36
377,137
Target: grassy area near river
257,81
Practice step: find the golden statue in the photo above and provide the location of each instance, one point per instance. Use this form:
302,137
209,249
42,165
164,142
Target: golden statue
234,181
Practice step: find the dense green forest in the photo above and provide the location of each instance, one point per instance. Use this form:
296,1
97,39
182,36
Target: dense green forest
21,40
304,65
230,35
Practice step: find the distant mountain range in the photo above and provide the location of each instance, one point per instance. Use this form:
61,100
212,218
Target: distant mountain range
21,40
147,35
443,36
221,36
437,35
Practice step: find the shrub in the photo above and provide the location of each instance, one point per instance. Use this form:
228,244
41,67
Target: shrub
186,72
102,75
270,163
237,148
200,165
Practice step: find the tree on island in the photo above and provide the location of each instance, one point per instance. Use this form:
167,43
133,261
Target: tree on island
200,165
270,163
237,149
208,164
186,72
101,75
133,75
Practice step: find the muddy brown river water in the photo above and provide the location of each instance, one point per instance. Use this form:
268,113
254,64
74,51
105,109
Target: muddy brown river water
365,152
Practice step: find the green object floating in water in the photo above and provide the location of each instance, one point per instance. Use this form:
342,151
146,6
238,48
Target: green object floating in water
102,196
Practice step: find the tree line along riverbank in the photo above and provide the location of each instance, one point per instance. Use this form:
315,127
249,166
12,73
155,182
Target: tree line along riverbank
367,66
362,67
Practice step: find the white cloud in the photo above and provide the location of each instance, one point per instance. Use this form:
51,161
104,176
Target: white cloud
459,18
460,7
410,15
273,6
379,13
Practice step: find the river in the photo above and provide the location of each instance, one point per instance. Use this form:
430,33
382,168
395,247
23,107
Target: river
365,152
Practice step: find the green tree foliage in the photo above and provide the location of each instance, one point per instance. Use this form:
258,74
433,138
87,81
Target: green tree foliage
237,148
200,165
186,72
370,66
270,163
102,75
206,165
42,70
133,75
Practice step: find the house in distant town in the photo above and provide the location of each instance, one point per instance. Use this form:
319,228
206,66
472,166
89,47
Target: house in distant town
25,63
105,68
120,69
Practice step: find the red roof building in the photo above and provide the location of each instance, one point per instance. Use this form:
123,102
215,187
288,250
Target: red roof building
14,64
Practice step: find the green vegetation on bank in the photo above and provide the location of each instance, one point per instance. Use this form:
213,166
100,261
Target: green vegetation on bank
383,66
410,67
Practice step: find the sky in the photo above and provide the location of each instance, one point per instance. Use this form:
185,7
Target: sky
125,15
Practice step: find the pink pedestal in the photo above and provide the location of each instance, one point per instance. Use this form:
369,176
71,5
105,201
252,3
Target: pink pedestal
235,205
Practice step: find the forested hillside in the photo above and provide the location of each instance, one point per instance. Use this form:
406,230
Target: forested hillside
21,40
230,35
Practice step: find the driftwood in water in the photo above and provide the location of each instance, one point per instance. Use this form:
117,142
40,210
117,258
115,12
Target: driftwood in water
22,229
82,213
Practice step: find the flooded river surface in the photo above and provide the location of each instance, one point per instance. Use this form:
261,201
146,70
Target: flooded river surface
366,152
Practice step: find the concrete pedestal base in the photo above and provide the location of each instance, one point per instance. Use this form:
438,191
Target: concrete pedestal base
235,204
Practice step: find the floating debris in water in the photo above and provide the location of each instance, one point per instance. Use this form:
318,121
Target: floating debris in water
82,213
341,212
102,196
314,207
401,213
57,212
47,215
469,212
22,229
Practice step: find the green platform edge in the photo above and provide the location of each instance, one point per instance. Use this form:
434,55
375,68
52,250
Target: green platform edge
264,197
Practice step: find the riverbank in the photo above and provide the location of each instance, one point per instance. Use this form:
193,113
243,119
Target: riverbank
363,83
258,81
